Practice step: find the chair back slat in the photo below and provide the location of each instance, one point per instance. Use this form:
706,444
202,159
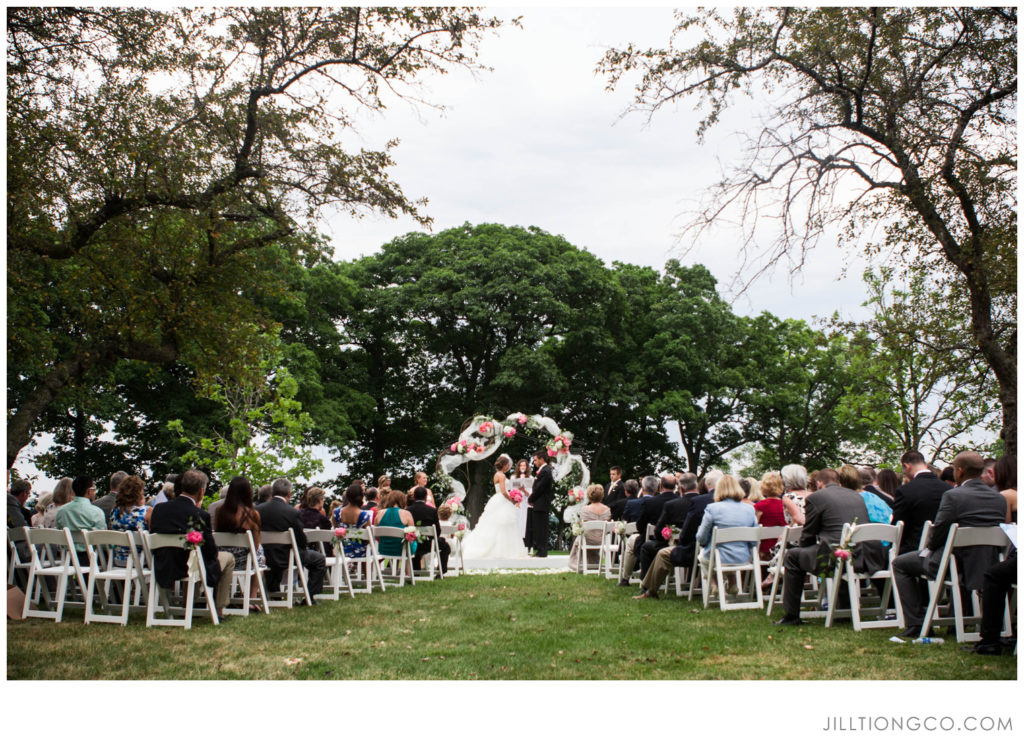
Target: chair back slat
973,536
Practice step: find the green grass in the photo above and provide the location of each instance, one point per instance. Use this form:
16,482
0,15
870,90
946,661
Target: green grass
516,626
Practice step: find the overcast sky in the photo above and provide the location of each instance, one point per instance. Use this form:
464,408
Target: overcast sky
540,142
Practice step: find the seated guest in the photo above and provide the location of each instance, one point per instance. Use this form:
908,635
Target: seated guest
728,510
129,512
311,509
352,515
770,511
444,514
947,476
887,482
827,511
80,514
370,499
426,516
62,494
45,502
970,504
278,516
19,492
997,582
751,489
674,514
237,514
183,515
217,503
1005,473
593,511
394,514
634,513
795,481
264,494
618,508
917,501
878,510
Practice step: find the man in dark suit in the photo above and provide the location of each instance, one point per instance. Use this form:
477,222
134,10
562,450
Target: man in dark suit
650,510
615,491
827,510
182,515
916,501
680,555
541,495
672,515
426,516
970,504
632,490
278,515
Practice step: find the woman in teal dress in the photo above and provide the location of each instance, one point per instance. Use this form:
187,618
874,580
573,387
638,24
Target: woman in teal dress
394,514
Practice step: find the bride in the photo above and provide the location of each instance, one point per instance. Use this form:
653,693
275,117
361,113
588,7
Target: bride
497,535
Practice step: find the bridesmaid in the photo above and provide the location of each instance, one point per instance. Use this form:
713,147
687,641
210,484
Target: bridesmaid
522,479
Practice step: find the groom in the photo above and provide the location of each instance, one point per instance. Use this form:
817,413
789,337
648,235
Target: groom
540,502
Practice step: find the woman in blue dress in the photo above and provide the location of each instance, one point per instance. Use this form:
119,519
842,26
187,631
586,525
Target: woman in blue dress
130,513
352,515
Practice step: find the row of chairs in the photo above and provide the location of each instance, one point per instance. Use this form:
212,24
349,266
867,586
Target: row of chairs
55,577
869,594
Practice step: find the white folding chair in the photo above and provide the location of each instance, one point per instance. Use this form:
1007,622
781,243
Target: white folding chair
18,557
431,560
294,575
855,535
53,555
336,564
194,581
585,548
609,550
714,568
242,579
777,567
398,565
947,578
365,568
103,568
456,563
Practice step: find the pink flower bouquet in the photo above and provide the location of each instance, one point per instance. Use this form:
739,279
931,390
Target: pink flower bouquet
340,532
666,533
516,495
194,537
411,533
842,554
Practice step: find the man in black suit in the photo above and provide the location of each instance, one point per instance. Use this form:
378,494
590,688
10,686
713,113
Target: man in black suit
916,501
182,515
970,504
681,555
615,491
278,515
426,516
672,515
827,510
540,502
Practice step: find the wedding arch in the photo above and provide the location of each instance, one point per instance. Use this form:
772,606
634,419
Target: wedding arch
482,437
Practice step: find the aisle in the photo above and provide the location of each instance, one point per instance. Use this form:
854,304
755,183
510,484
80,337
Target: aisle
551,563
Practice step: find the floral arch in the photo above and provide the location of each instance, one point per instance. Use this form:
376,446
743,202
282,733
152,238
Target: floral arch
482,437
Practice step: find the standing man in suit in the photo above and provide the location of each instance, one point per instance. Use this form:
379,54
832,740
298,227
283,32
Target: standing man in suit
916,501
615,491
540,502
182,515
827,510
426,516
278,515
970,504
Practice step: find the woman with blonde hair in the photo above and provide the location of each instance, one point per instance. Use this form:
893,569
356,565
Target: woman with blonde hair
728,510
593,510
62,494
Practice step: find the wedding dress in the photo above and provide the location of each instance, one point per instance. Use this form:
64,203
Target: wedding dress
496,534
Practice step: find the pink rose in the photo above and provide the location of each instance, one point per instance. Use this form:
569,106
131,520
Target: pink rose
842,554
551,453
666,533
194,537
340,532
410,537
454,446
462,526
522,419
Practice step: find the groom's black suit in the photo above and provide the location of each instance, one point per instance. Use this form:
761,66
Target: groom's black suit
540,497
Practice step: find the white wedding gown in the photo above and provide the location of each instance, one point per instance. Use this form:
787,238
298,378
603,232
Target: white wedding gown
496,534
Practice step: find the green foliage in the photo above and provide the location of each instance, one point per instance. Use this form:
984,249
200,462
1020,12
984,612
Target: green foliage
266,436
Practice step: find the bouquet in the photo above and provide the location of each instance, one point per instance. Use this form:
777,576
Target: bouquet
516,495
193,539
669,532
412,534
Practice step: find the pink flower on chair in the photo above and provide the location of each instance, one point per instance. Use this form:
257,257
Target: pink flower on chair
842,554
666,533
462,526
340,532
194,537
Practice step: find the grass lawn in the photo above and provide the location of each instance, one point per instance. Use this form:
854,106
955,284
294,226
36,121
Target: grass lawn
509,626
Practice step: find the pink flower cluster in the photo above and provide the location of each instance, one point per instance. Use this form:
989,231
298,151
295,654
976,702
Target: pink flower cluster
486,427
508,431
560,444
340,532
194,537
516,495
522,419
666,533
462,526
410,537
842,554
464,446
576,493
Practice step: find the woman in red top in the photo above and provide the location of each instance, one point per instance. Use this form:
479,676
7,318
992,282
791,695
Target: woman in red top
770,510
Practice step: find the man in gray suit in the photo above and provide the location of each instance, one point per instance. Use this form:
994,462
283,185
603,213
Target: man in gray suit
106,503
827,510
970,504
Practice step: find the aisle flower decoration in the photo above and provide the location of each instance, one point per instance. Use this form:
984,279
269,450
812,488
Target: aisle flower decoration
193,539
620,527
411,533
339,535
668,532
577,527
460,531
